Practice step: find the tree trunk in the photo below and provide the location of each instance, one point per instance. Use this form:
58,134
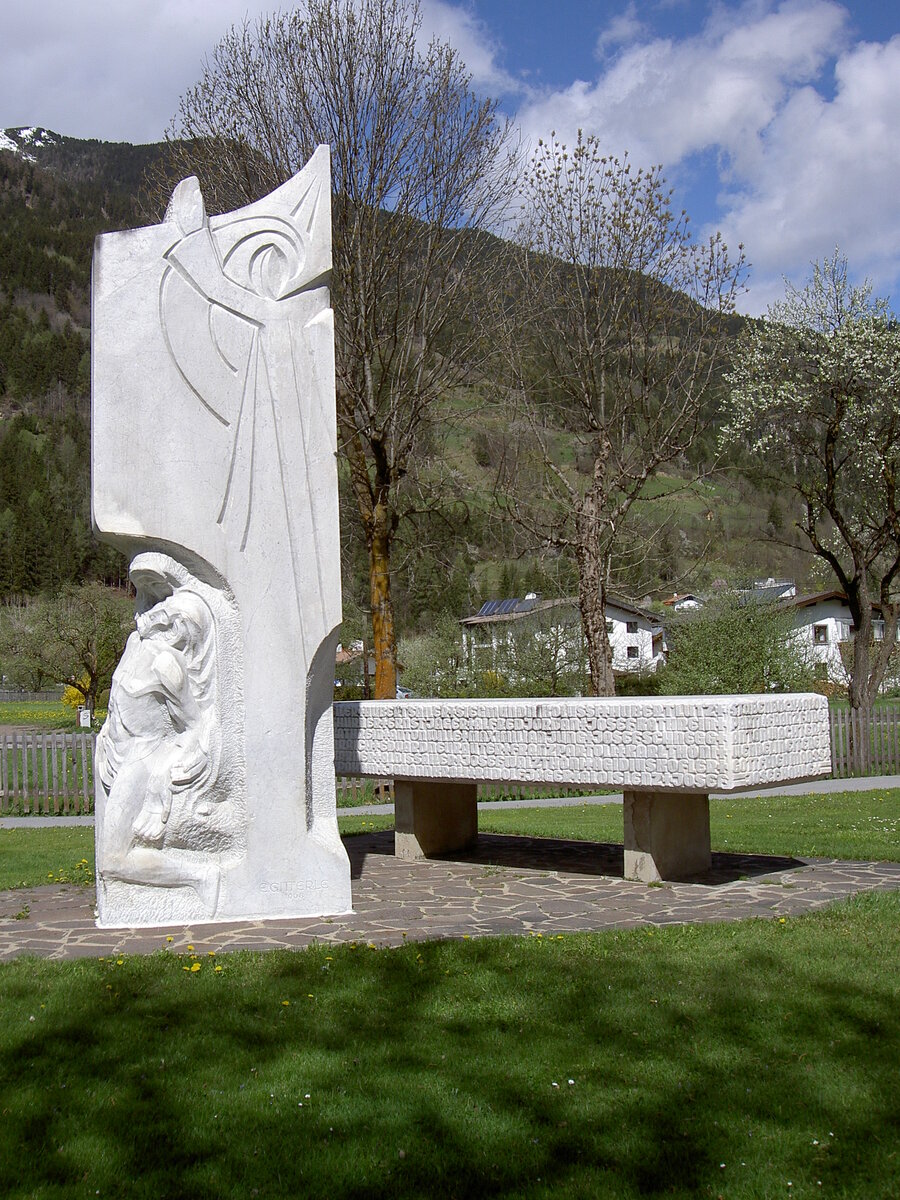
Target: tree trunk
384,644
860,694
379,521
592,605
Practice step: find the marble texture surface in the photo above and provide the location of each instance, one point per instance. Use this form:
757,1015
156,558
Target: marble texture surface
213,444
688,744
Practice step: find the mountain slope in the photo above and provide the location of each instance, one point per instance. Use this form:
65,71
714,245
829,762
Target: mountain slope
56,195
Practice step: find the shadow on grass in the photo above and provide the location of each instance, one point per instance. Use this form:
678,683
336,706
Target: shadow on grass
715,1060
564,855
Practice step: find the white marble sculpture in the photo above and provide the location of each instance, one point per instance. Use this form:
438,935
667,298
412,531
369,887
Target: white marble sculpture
214,470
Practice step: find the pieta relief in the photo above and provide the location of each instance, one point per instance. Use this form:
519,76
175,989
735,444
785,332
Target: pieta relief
169,758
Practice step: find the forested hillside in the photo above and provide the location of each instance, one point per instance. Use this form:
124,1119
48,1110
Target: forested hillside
57,194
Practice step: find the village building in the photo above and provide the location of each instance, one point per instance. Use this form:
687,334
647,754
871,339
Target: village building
825,630
636,636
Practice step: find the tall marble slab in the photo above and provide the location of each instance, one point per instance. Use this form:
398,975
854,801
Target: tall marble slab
213,469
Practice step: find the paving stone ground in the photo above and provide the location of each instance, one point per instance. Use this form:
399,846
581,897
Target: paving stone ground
506,885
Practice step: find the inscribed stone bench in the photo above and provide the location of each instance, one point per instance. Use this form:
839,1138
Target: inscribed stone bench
666,754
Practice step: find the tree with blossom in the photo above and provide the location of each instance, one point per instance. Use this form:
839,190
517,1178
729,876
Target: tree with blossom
814,392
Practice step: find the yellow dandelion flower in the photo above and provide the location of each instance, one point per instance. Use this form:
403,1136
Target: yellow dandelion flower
195,967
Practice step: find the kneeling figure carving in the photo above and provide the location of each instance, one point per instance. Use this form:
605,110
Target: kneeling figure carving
165,775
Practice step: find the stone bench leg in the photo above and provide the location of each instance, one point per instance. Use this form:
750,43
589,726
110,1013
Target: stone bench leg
666,835
433,818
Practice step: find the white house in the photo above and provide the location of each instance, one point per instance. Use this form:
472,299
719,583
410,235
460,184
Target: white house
760,589
824,625
636,637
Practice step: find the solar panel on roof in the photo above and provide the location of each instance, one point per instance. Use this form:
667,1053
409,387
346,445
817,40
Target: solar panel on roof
491,608
501,608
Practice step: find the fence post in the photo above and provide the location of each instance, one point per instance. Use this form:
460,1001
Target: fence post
4,778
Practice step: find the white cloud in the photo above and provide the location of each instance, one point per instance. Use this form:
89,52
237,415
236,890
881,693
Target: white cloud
802,126
626,27
829,174
115,69
663,99
111,69
477,47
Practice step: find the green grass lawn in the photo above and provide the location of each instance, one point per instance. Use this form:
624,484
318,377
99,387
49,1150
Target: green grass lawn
853,825
31,857
856,825
750,1060
42,714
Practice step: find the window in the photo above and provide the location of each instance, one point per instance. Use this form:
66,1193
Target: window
820,635
632,651
878,631
631,626
609,627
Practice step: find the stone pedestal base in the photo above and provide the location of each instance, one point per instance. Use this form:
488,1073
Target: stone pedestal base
433,818
666,835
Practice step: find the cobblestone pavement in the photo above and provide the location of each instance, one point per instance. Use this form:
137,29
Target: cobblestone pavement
507,884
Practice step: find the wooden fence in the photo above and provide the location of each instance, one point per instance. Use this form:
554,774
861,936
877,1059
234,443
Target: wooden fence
865,746
53,773
46,773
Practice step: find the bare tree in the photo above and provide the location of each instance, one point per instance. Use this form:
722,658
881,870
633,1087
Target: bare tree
616,342
75,637
418,160
814,393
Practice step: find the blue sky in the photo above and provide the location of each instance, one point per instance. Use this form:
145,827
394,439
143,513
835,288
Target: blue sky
777,121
